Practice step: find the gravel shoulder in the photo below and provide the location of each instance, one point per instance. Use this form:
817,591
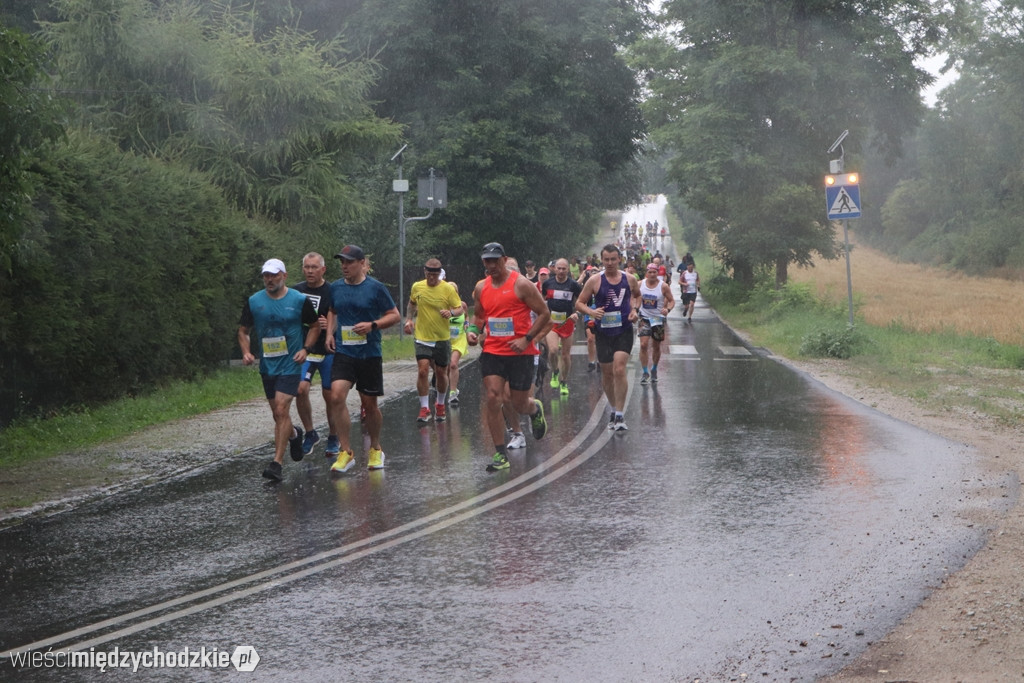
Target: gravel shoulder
971,628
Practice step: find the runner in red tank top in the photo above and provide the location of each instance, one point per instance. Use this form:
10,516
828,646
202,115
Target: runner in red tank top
502,305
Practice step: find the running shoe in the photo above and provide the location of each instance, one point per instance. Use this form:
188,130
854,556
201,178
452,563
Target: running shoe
439,412
453,398
344,463
591,367
554,380
498,462
375,459
295,445
620,424
312,439
333,447
654,375
273,471
537,421
611,422
424,415
646,378
518,440
563,388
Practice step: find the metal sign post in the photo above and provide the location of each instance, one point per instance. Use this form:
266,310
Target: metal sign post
842,201
433,193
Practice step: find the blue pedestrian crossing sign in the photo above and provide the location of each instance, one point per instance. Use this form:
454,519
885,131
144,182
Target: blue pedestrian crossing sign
842,196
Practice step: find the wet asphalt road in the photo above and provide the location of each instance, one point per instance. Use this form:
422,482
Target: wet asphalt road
750,522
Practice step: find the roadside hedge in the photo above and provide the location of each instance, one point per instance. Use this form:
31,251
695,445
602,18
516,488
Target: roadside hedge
129,272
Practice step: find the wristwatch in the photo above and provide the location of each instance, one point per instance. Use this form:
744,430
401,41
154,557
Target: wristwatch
373,325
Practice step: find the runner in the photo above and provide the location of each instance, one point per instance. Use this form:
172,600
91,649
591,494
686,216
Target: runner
588,322
360,308
432,304
617,295
277,315
561,293
689,284
655,304
460,347
502,305
318,291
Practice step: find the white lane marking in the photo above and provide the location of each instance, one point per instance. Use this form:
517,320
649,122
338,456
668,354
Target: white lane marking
682,350
293,571
734,350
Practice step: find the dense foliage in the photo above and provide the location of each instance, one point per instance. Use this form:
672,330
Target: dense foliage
28,118
526,105
749,94
129,272
279,120
960,202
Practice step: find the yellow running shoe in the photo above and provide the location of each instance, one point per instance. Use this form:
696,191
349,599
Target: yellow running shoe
344,463
554,380
376,459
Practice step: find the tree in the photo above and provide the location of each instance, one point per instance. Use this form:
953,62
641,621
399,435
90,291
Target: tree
28,118
278,119
961,204
750,93
526,105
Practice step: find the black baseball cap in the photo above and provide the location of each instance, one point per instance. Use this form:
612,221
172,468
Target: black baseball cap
351,253
492,250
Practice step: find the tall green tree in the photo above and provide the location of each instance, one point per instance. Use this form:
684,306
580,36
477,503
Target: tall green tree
279,119
750,93
527,105
28,118
963,205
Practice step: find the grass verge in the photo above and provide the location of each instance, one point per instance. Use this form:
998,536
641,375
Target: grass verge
83,427
942,371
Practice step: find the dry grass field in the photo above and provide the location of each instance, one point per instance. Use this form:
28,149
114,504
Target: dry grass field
921,298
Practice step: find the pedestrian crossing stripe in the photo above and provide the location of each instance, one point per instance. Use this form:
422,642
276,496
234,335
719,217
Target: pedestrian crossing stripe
682,350
686,351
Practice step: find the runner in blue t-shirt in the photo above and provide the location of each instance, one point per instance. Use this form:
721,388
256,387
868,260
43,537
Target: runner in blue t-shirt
360,308
277,315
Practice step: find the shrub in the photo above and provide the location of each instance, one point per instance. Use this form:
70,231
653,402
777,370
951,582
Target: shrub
832,343
130,272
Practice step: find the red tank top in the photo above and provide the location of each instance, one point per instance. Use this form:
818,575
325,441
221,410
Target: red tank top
506,315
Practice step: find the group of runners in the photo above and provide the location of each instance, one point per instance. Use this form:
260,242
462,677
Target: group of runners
334,329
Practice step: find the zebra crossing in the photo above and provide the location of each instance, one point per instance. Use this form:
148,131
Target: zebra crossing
685,351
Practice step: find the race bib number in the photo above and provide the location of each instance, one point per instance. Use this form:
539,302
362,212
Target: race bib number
274,347
612,319
501,327
350,338
456,330
559,317
430,344
655,321
315,358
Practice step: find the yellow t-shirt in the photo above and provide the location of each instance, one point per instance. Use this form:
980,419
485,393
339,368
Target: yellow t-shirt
430,301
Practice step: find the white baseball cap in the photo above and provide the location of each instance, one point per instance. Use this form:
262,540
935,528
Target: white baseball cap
274,265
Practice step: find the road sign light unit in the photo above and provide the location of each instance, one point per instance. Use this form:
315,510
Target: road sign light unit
842,179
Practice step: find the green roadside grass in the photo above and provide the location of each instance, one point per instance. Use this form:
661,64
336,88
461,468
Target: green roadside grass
943,372
82,427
